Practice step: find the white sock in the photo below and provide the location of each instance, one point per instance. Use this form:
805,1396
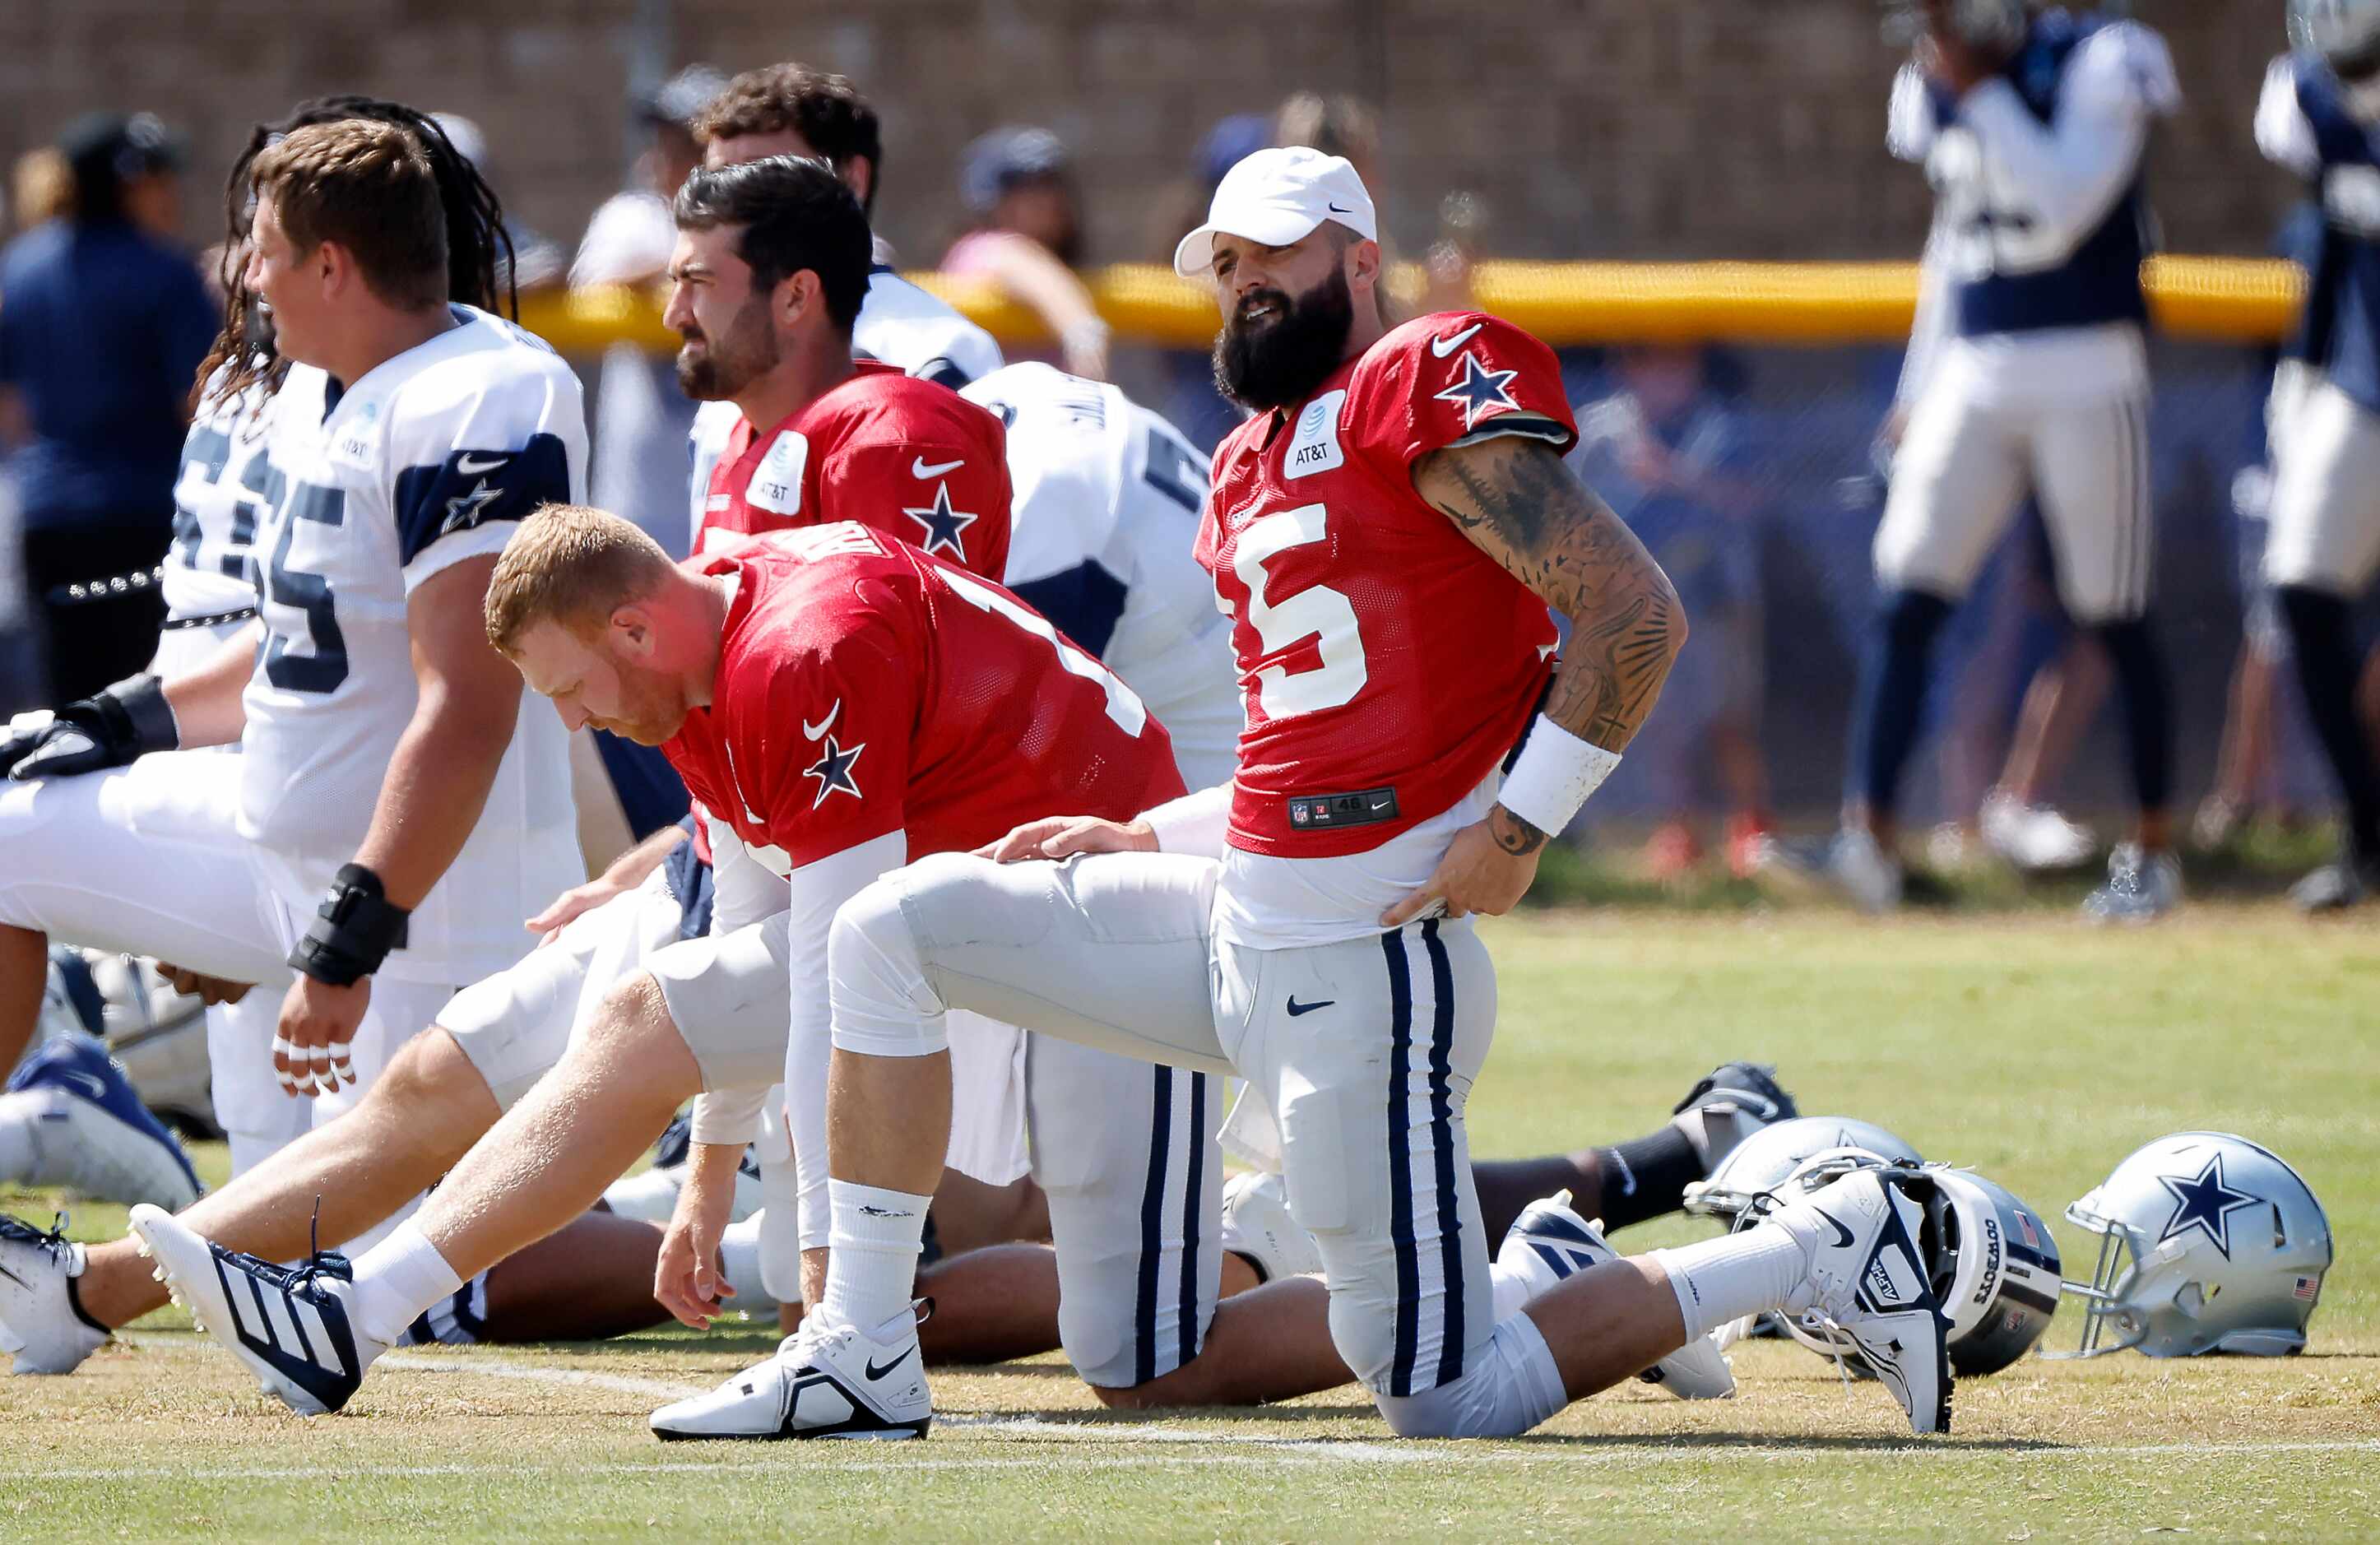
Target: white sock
1719,1279
739,1254
874,1239
1511,1287
396,1280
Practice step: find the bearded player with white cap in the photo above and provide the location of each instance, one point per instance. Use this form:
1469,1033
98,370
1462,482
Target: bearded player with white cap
1387,533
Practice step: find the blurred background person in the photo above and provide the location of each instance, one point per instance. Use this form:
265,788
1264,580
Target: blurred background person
103,319
642,416
1667,452
1026,236
40,188
536,261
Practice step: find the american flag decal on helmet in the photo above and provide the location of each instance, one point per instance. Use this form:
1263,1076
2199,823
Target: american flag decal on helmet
2307,1287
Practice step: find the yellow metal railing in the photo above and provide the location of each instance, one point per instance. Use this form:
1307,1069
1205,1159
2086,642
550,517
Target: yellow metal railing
2226,299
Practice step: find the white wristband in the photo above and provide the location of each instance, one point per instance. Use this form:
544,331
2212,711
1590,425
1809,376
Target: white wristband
1554,774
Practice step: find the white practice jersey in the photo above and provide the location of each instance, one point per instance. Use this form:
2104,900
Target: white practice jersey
2033,171
432,457
1105,512
208,571
900,326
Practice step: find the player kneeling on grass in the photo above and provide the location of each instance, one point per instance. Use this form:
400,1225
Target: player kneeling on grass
1387,532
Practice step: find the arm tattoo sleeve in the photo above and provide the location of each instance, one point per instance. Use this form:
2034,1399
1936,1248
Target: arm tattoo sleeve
1517,502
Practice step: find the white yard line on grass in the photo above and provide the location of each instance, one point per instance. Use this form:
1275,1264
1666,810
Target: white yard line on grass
1276,1450
1616,1455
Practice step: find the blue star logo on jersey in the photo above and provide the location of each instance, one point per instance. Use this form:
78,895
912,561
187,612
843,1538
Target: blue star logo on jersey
942,524
832,769
2202,1203
466,510
1479,391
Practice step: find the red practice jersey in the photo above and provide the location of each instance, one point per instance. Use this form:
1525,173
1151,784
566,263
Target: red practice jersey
865,688
885,449
1387,664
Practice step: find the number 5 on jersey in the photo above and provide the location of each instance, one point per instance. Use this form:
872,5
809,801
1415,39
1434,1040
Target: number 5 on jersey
1317,611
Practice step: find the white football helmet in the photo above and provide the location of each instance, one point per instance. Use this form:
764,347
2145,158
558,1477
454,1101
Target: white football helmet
2345,32
1762,1161
2207,1243
1996,1271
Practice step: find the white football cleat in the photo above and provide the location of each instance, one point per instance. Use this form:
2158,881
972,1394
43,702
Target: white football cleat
2140,887
2033,837
84,1128
1549,1243
1870,1290
1256,1224
825,1382
40,1322
293,1327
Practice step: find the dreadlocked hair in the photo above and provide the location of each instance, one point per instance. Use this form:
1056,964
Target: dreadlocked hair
479,249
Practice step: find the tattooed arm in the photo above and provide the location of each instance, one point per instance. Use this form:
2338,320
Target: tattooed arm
1516,502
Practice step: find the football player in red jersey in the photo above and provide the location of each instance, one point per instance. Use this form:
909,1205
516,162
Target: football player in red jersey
1387,531
842,703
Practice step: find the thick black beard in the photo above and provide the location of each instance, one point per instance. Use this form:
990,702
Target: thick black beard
747,351
1283,361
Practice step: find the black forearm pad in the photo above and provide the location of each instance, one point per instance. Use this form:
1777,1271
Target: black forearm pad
137,715
353,930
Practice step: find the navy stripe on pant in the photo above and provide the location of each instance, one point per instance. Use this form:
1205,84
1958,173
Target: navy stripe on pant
1152,1230
1401,1199
1441,1137
1193,1192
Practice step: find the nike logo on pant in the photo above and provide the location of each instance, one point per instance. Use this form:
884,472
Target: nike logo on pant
1297,1008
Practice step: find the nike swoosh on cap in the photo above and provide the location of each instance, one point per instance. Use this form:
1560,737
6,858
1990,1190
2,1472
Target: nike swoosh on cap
920,470
1441,347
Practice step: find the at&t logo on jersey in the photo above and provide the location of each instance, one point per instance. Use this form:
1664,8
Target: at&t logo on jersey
1315,447
777,482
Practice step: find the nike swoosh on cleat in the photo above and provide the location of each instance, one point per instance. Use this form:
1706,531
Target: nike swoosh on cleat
875,1372
1441,347
1297,1008
1843,1235
920,470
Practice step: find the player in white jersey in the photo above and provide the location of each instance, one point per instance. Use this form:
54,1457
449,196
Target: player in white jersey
2033,376
210,587
1106,497
2319,116
789,109
362,698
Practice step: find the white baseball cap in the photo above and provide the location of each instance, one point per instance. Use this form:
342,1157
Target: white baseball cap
1276,197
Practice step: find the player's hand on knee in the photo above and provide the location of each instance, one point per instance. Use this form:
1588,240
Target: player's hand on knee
313,1046
1475,875
109,728
1062,837
206,989
571,905
687,1278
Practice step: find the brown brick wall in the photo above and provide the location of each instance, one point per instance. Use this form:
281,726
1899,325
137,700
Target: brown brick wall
1628,127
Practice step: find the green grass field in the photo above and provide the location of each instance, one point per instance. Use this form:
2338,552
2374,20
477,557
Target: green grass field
2028,1045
